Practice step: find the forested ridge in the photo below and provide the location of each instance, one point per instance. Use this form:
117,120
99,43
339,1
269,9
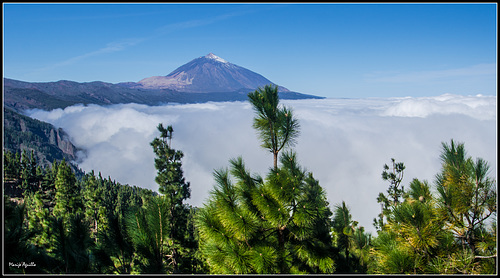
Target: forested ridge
56,222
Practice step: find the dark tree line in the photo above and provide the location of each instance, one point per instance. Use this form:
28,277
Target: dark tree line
65,224
280,222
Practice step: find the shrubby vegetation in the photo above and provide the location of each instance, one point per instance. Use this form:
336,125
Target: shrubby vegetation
451,230
59,222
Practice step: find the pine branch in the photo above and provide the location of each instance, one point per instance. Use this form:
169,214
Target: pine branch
485,257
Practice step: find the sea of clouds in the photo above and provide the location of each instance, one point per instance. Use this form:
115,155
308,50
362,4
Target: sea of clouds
343,142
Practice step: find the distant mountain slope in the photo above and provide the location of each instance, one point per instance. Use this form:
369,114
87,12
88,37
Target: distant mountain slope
207,78
208,74
21,95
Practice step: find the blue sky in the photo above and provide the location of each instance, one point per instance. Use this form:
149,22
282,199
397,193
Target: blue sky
331,50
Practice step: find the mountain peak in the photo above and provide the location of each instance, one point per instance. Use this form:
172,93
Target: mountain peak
208,74
214,57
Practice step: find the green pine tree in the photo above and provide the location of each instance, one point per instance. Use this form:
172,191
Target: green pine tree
277,225
413,236
280,224
38,219
148,228
113,251
71,244
11,165
175,190
160,230
350,239
467,201
29,175
446,233
394,192
344,226
275,124
95,211
20,243
68,199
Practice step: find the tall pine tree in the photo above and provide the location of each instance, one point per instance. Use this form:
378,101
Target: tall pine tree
344,226
467,201
277,225
160,229
445,233
170,176
276,125
280,224
68,198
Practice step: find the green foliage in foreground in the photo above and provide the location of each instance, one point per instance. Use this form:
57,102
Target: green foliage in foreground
452,232
277,225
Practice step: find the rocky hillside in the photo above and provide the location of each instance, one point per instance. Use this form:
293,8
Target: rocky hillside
49,143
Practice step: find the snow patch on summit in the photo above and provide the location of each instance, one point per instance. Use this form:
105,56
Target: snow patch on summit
215,57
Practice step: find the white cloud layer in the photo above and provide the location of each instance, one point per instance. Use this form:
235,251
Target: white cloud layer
343,142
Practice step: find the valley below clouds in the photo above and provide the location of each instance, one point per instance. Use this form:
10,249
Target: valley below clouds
343,142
